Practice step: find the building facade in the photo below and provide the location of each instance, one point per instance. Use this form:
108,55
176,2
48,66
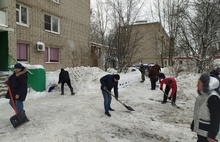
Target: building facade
52,33
152,41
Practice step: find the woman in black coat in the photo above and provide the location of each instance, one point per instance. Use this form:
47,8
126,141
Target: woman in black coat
18,85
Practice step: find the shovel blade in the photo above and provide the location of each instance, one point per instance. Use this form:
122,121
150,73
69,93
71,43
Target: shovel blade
129,108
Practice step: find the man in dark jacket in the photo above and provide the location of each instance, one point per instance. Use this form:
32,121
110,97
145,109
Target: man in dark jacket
142,69
157,67
107,83
65,78
153,75
206,119
18,87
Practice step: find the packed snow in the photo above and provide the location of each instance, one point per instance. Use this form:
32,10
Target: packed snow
80,118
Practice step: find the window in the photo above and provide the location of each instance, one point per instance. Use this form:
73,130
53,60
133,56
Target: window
51,54
22,50
56,1
21,14
52,24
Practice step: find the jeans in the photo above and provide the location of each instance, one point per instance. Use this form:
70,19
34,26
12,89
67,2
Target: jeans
19,105
107,100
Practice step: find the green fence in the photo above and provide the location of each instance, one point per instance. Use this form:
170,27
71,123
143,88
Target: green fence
36,78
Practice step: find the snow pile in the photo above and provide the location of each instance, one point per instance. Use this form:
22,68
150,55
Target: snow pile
80,118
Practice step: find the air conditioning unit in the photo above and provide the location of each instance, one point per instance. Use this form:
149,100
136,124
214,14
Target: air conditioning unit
40,46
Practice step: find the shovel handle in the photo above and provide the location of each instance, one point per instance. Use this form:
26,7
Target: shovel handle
12,100
114,96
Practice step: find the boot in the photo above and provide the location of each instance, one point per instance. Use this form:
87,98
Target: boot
72,93
108,114
62,91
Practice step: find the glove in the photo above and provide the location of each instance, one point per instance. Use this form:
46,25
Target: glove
169,98
161,89
105,88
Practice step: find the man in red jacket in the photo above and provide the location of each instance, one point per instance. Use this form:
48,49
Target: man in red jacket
170,85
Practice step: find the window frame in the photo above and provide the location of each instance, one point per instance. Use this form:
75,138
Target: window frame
47,54
52,18
19,10
19,58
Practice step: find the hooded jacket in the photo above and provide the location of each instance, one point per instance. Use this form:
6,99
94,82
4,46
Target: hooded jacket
18,85
63,76
206,111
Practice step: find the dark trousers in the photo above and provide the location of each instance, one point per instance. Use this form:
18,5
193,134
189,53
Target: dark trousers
203,139
143,76
153,83
167,90
68,83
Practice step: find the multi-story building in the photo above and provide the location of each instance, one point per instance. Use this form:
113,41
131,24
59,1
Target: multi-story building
51,33
152,42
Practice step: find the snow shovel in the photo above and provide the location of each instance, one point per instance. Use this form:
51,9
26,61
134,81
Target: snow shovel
52,87
173,104
128,107
16,120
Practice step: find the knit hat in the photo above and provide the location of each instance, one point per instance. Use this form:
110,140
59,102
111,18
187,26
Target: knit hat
116,76
205,78
18,66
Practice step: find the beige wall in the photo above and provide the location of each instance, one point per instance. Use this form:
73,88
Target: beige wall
73,40
150,43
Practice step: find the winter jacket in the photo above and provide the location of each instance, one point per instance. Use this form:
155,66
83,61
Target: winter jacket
142,69
153,73
157,67
206,118
171,86
161,75
18,85
108,82
63,76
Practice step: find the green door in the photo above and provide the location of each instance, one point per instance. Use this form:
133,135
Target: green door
4,51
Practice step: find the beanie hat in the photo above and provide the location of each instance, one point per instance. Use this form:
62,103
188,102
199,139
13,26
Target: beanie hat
18,66
116,76
205,78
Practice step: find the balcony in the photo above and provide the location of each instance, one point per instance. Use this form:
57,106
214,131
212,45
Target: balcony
3,19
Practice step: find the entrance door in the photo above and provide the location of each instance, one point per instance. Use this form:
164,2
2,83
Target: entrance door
4,51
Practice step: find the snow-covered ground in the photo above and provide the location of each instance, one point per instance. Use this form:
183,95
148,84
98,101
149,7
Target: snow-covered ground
80,118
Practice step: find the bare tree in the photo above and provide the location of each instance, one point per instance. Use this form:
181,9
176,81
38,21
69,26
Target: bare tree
173,12
99,22
122,14
200,32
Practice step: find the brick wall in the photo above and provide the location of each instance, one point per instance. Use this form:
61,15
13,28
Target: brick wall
147,50
73,40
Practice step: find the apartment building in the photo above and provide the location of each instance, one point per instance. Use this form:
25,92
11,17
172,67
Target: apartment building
51,33
152,41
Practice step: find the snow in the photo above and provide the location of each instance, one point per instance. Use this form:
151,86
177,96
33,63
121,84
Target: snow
80,118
